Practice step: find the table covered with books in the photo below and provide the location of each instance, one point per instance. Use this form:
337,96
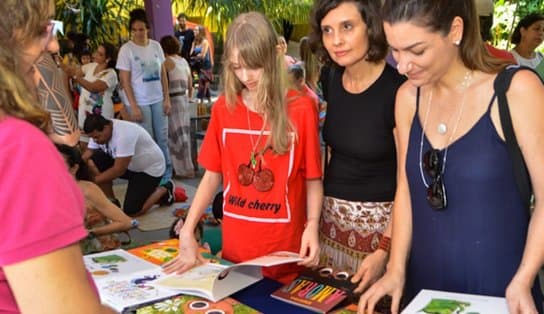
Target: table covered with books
133,282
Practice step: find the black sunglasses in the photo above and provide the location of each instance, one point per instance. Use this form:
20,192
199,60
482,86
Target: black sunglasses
436,191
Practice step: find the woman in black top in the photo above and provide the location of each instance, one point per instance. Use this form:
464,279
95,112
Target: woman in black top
360,175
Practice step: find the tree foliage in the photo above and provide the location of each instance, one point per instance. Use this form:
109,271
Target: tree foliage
507,15
106,20
100,20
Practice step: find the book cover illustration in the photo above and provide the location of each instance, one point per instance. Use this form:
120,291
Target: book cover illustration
161,252
348,309
114,263
318,290
215,281
352,309
185,304
440,302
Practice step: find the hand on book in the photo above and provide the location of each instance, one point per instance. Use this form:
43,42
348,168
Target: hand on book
371,268
188,256
519,297
309,247
392,283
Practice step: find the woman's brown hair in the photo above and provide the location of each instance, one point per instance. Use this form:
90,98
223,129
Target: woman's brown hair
437,16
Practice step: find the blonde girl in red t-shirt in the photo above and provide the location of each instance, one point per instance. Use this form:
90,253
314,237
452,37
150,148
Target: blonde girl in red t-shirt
262,144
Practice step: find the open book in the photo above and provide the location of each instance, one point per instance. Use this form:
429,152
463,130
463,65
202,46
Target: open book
123,280
432,301
215,281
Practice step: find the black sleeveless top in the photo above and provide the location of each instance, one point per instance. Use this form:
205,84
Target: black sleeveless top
359,130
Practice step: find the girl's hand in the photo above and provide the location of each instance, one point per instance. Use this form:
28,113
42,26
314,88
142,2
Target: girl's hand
188,256
309,246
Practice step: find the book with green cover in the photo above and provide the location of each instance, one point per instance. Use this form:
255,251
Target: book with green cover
186,304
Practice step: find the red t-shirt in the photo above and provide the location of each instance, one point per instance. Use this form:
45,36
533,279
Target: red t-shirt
41,206
500,53
256,223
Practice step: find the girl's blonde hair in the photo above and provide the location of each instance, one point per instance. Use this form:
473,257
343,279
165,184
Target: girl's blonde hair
27,22
255,40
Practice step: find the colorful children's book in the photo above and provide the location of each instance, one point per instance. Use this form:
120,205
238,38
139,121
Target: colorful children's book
186,304
215,281
440,302
161,252
123,280
318,290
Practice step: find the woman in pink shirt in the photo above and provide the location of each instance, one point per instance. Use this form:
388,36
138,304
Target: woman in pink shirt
41,208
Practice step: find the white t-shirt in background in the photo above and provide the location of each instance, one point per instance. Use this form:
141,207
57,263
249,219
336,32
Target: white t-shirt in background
144,64
130,139
531,63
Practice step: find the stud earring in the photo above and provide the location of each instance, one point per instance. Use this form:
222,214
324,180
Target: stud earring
457,42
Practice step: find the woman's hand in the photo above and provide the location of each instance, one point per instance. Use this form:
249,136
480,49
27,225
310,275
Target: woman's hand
519,298
167,106
371,268
188,256
309,246
136,114
391,284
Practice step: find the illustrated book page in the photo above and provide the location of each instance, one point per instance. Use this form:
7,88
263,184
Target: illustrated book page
123,280
432,301
214,281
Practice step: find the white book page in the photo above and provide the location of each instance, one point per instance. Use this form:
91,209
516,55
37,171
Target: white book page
198,279
127,291
273,259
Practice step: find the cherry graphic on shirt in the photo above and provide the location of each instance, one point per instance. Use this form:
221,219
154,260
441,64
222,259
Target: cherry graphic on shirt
263,180
245,174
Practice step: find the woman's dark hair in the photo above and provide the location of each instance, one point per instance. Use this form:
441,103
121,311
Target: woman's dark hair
137,15
170,45
525,22
370,13
95,122
111,53
437,16
72,155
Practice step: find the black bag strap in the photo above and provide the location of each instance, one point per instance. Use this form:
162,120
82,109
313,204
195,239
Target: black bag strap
501,85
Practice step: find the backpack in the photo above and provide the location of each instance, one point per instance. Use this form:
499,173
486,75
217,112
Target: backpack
521,174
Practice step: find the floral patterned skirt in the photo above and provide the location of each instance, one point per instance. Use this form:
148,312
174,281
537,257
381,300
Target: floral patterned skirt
349,231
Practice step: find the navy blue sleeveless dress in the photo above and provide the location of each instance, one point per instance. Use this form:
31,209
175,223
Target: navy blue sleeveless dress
476,243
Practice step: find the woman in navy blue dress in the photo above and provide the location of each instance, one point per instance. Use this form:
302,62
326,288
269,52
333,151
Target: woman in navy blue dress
459,222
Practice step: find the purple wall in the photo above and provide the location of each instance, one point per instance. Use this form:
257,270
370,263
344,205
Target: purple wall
159,13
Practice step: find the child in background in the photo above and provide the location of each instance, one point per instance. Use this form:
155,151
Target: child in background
297,80
85,57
